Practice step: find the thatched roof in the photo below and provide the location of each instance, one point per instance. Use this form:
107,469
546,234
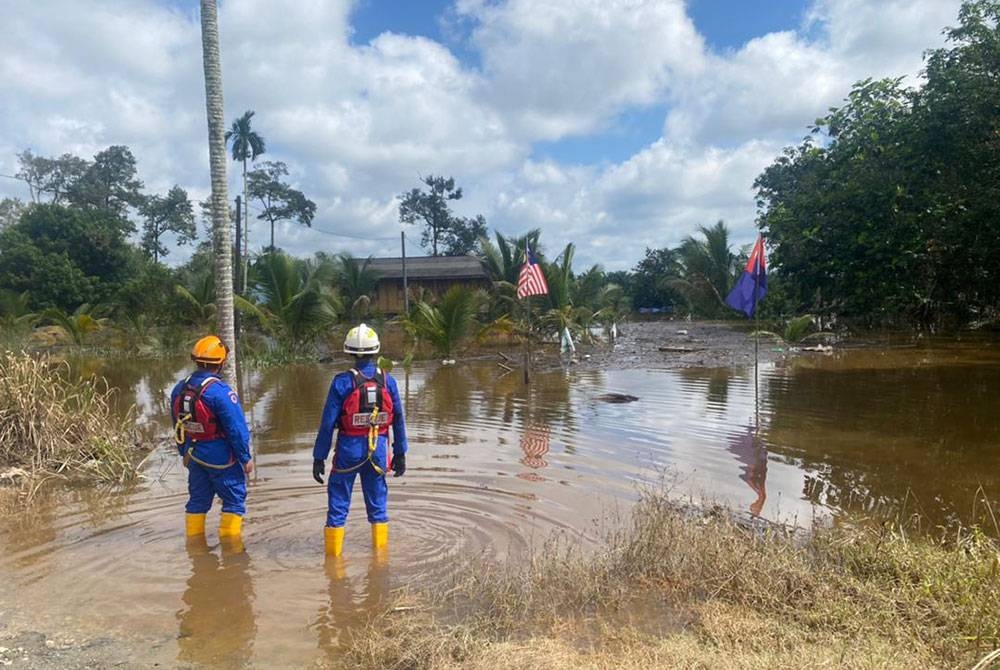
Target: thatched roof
429,267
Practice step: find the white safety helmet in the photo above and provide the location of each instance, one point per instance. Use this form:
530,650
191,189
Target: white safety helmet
361,340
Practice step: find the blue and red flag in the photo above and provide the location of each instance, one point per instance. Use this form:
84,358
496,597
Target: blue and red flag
752,284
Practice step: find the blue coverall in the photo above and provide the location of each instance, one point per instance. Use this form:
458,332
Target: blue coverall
228,454
353,449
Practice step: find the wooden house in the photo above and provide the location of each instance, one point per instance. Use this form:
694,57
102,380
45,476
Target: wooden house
434,274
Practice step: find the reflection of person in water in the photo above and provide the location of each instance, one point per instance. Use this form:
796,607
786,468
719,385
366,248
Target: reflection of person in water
751,452
347,610
217,625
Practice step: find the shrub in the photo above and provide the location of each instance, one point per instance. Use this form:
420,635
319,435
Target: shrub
52,424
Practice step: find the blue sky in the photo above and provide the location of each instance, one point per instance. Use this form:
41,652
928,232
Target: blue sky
726,25
613,124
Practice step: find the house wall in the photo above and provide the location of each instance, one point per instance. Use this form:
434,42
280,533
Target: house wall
389,292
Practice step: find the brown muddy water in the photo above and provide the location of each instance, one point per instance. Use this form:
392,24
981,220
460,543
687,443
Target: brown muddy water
495,468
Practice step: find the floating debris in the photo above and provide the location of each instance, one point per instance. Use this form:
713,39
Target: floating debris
616,398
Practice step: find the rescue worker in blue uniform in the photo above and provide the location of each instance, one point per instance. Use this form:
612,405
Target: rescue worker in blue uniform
212,437
362,404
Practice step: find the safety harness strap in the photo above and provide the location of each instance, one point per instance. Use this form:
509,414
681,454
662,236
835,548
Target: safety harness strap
180,433
373,424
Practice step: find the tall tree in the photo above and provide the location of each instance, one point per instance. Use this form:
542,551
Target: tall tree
64,256
280,202
246,144
110,183
171,213
10,211
54,176
459,236
653,282
462,237
220,198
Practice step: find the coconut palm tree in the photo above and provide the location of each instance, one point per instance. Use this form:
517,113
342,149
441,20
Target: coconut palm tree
795,331
198,300
246,143
504,259
447,324
299,305
15,314
76,325
220,197
710,267
503,262
356,281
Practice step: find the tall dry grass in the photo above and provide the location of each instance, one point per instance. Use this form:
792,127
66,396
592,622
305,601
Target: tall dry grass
670,591
54,425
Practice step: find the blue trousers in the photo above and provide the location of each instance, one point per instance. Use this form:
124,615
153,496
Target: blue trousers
339,488
206,483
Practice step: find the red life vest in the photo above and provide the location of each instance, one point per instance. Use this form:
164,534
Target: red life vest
358,408
199,422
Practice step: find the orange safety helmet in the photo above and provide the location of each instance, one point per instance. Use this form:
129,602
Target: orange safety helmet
210,350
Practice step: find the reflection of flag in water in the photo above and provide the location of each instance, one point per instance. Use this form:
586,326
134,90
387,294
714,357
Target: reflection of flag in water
535,444
752,284
751,452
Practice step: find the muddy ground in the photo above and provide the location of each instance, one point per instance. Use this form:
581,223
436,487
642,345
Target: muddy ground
659,345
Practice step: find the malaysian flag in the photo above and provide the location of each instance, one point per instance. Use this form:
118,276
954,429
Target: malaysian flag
531,281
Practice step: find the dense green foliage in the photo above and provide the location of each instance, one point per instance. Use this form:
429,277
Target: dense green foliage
64,257
889,212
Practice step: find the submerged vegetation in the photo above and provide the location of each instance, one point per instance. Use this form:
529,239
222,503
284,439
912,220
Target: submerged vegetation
54,425
673,591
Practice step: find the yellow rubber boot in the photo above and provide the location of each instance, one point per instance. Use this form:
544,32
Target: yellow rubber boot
194,524
230,525
334,540
380,536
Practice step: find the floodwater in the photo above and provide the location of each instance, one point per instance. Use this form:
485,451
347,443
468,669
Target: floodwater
495,468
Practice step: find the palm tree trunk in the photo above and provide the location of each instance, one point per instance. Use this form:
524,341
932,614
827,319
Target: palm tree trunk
222,236
246,230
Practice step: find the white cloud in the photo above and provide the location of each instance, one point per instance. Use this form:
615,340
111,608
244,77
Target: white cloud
558,68
359,124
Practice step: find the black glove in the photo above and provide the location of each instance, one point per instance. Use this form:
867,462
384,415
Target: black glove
319,465
399,465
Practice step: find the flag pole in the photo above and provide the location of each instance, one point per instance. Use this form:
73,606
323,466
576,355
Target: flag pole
525,344
756,346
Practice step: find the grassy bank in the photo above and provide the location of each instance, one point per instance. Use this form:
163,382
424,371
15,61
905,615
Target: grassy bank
55,425
672,591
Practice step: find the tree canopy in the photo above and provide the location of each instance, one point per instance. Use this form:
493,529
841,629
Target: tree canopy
64,257
457,236
278,200
889,212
